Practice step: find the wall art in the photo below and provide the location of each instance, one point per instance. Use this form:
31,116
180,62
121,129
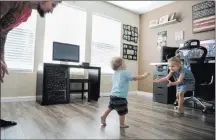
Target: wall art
130,51
130,33
203,17
161,39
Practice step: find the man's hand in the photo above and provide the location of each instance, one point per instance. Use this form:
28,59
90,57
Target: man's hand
3,70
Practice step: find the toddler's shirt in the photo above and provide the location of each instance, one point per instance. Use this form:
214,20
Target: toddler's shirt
120,82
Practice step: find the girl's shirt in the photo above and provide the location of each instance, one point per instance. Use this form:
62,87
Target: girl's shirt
188,76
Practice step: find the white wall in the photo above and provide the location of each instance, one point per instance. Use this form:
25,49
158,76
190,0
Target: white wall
24,84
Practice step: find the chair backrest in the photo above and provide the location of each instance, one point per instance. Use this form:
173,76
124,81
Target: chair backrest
193,51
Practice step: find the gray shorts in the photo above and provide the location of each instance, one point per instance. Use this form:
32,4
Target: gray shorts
118,104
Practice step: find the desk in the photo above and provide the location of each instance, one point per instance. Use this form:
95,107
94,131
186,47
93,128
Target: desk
53,83
162,93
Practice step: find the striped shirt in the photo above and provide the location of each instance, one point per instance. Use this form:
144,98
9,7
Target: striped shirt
12,14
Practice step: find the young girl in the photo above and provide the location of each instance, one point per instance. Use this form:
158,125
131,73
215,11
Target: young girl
118,98
184,81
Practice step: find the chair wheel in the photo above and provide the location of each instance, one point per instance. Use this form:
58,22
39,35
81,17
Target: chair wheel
213,109
205,110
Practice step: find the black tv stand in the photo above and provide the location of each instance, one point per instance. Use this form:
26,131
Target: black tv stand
53,82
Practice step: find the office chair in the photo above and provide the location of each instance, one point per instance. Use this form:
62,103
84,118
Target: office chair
189,54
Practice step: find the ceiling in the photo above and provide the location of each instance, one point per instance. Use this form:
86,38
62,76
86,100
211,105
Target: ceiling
140,7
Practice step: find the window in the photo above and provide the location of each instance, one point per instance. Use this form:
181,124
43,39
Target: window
20,45
106,40
66,25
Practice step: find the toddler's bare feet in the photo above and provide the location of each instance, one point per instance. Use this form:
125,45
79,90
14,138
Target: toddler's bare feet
124,126
103,121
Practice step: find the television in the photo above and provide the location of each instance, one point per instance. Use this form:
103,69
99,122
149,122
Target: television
66,52
167,52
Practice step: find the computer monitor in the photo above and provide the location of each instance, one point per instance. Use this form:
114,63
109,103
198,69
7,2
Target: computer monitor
167,52
210,46
65,52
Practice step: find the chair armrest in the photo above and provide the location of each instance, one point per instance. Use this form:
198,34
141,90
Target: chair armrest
211,82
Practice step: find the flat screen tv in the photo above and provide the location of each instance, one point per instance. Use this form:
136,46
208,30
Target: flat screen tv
65,52
167,52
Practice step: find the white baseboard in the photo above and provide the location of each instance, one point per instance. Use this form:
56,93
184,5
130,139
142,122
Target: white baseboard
144,93
18,99
33,98
130,93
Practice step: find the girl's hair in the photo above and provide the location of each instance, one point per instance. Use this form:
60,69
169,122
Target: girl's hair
116,62
175,60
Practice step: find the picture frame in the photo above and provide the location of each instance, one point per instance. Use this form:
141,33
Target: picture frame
200,12
136,29
129,38
129,51
172,16
130,33
135,52
136,40
124,32
124,26
134,58
125,50
164,19
130,57
153,23
125,56
133,34
124,46
125,37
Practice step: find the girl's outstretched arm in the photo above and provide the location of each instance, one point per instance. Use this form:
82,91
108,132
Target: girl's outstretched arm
163,79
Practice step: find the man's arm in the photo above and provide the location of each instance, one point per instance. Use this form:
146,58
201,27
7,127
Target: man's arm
3,37
5,6
5,21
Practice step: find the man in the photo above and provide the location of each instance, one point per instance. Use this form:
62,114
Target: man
12,14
